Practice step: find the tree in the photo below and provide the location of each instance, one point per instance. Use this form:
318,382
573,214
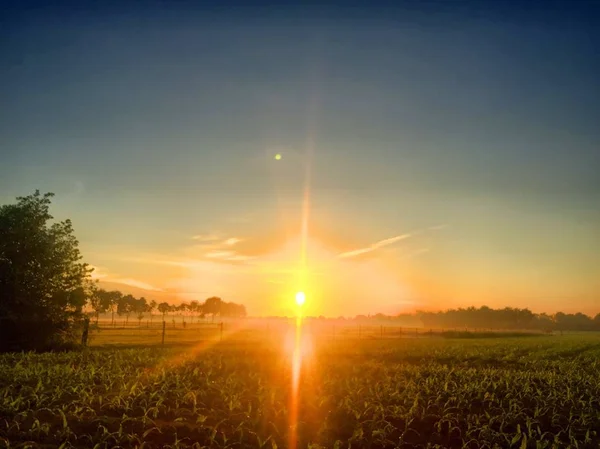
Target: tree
164,308
112,299
96,301
151,308
140,306
43,283
213,306
231,309
125,306
193,309
183,308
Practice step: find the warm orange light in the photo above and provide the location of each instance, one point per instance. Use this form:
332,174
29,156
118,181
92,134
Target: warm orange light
300,298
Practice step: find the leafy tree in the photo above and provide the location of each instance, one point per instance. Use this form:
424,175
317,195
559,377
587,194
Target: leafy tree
164,308
213,306
125,306
96,301
140,306
195,308
111,301
151,308
43,283
183,308
231,309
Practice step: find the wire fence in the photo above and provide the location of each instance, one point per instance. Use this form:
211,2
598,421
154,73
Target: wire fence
170,332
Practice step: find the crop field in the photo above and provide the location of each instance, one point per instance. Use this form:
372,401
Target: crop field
534,392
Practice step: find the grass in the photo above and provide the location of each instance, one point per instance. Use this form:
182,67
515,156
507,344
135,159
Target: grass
519,392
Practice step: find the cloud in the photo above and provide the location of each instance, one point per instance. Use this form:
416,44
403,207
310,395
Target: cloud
105,276
357,252
156,260
438,227
389,241
227,256
206,237
232,241
136,283
241,257
98,273
374,246
219,254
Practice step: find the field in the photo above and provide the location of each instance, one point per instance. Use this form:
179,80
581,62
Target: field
528,392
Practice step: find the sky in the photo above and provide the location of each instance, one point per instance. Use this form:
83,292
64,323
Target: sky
433,155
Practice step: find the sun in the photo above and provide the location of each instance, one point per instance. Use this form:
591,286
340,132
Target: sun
300,298
278,157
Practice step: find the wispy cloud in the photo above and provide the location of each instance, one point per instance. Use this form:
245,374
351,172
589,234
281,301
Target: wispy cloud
241,258
219,254
232,241
98,273
374,246
227,256
438,227
206,237
136,283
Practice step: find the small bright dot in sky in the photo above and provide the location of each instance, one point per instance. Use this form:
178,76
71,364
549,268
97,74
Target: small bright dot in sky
300,298
278,157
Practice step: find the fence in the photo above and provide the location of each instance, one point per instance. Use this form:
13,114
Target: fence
182,332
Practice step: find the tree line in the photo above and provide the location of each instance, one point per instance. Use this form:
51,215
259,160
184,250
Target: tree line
508,318
114,302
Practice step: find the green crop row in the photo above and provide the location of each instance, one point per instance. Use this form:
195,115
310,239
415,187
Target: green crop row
505,393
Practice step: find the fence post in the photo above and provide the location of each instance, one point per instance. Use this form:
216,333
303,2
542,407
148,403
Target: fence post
163,332
86,328
431,332
221,331
381,332
400,333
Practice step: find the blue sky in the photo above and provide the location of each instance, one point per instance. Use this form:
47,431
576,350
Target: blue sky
472,129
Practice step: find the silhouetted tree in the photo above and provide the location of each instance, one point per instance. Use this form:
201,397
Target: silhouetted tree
164,308
125,306
43,284
140,306
96,301
507,318
194,308
151,308
212,306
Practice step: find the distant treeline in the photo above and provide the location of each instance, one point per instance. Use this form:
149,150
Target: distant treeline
481,318
508,318
115,302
